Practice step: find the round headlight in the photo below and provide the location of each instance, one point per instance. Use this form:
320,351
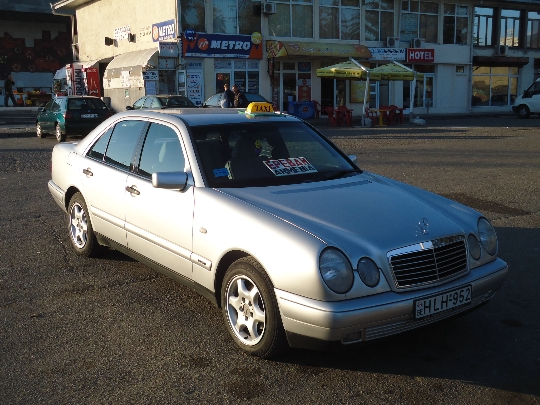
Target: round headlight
336,270
474,247
368,271
488,238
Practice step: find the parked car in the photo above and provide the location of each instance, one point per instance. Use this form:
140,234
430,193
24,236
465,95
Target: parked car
70,115
162,101
215,100
270,221
529,102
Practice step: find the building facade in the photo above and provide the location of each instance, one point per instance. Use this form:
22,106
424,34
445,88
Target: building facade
34,44
474,56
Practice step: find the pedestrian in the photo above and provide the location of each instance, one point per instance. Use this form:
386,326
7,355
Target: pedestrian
228,97
240,101
8,88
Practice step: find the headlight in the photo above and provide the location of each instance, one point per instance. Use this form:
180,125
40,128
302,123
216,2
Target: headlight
368,271
474,247
488,238
336,270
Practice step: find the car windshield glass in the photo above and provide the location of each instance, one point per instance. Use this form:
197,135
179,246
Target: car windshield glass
256,154
86,103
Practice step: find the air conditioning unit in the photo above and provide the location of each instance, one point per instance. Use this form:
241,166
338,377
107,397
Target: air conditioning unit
417,42
269,8
501,50
392,42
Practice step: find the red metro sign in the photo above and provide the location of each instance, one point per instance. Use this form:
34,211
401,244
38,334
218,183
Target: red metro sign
415,55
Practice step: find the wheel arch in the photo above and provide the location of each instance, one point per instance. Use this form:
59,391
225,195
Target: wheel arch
70,192
225,262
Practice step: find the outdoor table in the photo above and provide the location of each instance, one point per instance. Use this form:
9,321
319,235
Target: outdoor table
380,112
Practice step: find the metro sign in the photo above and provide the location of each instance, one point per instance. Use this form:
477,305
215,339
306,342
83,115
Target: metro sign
420,55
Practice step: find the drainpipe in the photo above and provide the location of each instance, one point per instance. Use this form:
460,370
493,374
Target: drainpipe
72,28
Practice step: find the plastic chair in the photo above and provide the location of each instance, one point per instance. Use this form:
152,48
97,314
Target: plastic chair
317,108
372,115
331,116
345,114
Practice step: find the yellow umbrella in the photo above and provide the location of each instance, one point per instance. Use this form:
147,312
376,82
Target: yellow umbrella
343,70
394,71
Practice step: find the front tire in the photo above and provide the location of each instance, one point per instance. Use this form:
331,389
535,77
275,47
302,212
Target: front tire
60,137
81,233
250,310
523,111
39,131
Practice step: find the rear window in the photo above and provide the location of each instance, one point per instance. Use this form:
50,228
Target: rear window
86,103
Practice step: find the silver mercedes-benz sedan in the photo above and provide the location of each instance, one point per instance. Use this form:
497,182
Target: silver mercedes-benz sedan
270,221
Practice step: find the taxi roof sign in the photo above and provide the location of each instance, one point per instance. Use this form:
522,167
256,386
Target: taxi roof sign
259,108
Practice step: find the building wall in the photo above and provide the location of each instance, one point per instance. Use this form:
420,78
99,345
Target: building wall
98,20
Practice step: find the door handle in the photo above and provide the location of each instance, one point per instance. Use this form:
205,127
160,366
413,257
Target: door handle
88,172
132,190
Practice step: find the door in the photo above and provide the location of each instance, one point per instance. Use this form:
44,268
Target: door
104,172
47,118
159,221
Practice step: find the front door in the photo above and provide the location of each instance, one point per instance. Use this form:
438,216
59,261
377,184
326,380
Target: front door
159,221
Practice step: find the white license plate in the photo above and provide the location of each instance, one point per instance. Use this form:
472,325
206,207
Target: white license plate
442,302
89,115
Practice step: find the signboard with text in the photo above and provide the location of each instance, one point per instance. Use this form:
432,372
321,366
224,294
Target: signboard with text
420,55
163,30
222,46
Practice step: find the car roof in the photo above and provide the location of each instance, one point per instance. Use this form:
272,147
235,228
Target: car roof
203,116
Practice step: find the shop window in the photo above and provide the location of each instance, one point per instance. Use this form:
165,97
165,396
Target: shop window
193,15
533,29
494,86
483,26
379,19
455,24
419,19
235,17
292,19
339,19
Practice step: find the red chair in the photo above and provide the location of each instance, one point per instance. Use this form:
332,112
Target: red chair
317,108
372,115
330,112
345,114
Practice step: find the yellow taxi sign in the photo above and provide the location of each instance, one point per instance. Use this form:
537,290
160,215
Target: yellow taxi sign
259,108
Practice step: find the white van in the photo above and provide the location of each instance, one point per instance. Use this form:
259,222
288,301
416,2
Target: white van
529,102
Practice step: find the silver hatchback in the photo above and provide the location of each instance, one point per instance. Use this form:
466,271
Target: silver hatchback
275,225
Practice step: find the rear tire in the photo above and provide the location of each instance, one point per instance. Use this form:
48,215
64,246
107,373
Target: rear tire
39,131
81,233
60,137
250,310
523,111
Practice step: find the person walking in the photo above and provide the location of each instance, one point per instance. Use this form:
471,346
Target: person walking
228,97
8,88
240,101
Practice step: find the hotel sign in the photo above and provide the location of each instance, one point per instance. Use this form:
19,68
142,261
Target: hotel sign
420,55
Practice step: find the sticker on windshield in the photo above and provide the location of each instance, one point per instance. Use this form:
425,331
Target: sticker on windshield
221,172
287,167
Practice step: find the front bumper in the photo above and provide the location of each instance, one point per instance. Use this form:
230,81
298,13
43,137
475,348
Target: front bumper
307,321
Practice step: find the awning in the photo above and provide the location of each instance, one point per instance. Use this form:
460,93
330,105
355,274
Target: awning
133,61
60,74
277,49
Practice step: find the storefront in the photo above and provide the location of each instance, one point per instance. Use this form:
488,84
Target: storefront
217,59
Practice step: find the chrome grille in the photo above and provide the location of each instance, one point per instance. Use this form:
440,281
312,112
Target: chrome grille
428,262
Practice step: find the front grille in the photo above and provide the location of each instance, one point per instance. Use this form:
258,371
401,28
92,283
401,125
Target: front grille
428,262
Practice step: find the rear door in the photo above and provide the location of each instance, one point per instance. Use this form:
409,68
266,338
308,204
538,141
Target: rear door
104,171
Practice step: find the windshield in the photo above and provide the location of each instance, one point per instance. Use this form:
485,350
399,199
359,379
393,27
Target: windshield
175,102
264,154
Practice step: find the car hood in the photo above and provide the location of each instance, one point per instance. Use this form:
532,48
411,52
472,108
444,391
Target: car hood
359,211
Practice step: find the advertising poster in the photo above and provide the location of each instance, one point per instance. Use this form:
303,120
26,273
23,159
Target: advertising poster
92,82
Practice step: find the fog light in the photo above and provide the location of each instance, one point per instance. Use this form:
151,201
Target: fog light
352,337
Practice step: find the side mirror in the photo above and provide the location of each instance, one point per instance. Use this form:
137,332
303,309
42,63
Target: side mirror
527,94
41,109
170,180
128,107
353,158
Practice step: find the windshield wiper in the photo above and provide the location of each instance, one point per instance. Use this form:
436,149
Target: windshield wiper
343,173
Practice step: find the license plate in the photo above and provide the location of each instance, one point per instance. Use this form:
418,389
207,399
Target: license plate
442,302
89,115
